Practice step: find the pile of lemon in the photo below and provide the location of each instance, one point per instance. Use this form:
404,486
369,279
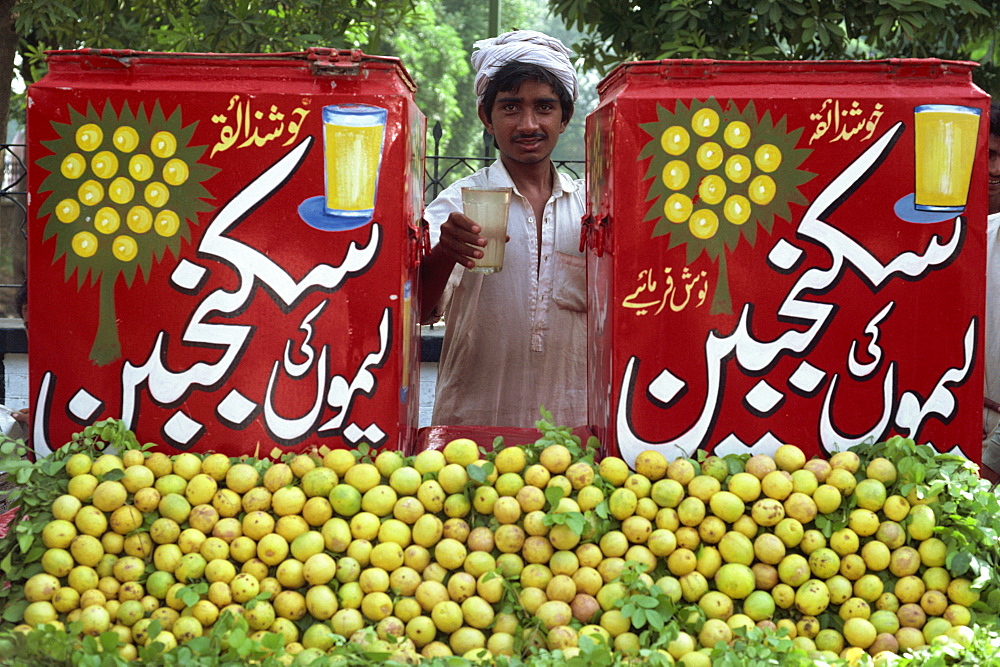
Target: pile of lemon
423,555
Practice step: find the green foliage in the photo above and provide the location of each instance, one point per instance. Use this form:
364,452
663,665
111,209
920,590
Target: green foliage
621,30
967,511
758,647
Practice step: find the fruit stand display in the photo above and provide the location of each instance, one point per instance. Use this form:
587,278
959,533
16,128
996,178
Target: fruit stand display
535,554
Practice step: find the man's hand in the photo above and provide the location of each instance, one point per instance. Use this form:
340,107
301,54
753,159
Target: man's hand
460,241
21,416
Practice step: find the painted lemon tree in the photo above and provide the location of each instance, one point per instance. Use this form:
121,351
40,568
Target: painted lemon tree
720,173
125,188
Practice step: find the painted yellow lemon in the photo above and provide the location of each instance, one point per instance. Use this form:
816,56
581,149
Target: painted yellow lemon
121,190
104,164
139,219
676,174
166,223
704,223
710,155
73,166
89,137
675,140
67,210
125,139
762,189
140,167
705,122
124,248
737,209
157,194
737,134
712,189
678,207
767,157
163,144
90,193
175,172
84,244
107,220
738,168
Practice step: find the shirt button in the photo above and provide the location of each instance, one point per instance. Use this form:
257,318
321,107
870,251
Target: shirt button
531,219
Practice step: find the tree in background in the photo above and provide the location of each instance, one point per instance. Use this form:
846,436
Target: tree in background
623,30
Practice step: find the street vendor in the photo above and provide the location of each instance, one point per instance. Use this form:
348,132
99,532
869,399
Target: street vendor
991,403
514,340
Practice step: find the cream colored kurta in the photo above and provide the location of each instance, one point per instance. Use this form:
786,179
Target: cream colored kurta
991,445
516,340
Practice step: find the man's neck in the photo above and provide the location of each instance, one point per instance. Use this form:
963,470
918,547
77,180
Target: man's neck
530,179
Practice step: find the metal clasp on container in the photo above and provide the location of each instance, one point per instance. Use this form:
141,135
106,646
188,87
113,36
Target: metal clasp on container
334,62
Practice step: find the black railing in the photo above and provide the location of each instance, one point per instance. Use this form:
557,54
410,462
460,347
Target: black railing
13,197
442,170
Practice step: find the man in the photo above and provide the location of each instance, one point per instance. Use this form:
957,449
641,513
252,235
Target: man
515,340
991,403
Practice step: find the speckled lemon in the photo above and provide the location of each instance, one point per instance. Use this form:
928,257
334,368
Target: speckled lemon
767,157
678,207
762,189
176,172
738,168
140,167
67,210
104,164
73,166
737,134
710,155
121,190
712,189
737,209
90,193
125,139
705,122
157,195
676,174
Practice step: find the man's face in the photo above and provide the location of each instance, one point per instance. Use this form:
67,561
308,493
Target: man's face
994,166
526,123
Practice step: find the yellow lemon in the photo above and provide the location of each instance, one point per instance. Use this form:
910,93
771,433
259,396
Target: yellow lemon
125,139
84,244
140,167
163,144
156,194
90,193
704,223
104,164
738,168
67,210
676,174
737,134
121,190
712,189
73,166
710,155
107,220
175,172
124,248
762,189
678,207
705,122
166,223
767,157
89,137
139,219
675,140
737,209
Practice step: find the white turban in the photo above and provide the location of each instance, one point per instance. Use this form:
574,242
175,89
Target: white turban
524,46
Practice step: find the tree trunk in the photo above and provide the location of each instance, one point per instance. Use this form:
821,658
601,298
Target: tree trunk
8,47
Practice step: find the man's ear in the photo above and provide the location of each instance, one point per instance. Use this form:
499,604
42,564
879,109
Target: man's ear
484,119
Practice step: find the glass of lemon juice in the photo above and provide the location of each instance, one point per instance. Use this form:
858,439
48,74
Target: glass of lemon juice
488,207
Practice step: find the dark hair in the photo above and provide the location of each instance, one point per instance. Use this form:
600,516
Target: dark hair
509,78
21,300
995,119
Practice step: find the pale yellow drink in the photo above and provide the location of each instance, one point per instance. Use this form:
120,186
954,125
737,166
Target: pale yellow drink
352,144
945,148
489,208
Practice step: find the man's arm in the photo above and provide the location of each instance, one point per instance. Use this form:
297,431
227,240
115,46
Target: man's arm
458,235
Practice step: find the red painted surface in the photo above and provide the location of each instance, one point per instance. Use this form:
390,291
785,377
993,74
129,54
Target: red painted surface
241,327
848,318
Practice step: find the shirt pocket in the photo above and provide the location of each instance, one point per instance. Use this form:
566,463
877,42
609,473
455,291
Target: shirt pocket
570,292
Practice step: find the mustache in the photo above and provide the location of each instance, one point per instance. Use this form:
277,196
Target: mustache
541,136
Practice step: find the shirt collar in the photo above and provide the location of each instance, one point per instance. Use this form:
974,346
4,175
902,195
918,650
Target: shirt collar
499,177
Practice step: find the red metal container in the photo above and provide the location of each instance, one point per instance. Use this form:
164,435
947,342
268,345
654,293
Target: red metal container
223,249
786,252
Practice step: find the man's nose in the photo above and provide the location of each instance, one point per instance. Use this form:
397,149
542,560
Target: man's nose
528,121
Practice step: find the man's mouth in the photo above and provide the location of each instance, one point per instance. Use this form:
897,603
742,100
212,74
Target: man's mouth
529,138
994,180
